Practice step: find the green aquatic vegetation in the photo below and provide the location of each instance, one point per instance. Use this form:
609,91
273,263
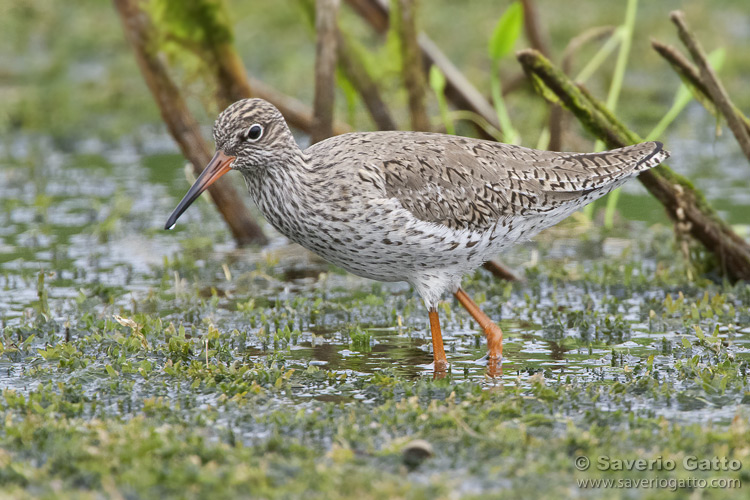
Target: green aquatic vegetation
43,296
361,340
146,364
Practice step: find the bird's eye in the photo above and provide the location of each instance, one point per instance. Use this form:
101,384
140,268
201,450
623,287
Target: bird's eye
253,132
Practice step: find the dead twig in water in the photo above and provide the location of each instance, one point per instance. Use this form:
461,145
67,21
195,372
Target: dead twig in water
501,271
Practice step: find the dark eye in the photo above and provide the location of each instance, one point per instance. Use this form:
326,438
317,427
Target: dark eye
254,132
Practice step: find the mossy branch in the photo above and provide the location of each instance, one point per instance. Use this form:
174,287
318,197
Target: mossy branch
203,27
685,204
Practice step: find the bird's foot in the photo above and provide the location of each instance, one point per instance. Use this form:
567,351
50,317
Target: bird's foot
494,367
439,369
440,365
494,341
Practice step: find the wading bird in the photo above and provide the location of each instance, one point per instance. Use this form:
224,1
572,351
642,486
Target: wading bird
420,207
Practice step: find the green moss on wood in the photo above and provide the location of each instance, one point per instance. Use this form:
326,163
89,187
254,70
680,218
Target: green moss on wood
711,230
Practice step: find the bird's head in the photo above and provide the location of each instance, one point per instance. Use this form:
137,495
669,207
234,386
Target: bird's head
250,134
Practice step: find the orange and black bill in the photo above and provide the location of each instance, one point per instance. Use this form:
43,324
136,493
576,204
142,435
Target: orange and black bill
219,165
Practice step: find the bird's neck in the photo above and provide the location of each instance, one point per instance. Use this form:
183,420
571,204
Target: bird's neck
284,191
285,174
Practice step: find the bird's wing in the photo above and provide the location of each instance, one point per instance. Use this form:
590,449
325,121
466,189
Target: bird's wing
470,184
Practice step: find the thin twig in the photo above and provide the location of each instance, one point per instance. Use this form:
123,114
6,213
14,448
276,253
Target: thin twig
687,72
297,114
557,116
325,69
684,68
690,75
478,120
500,271
531,27
353,67
376,13
459,90
577,42
713,85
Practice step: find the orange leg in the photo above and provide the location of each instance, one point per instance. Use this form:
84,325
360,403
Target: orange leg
441,362
491,330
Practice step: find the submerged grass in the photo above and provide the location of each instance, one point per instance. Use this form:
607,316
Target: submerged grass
148,364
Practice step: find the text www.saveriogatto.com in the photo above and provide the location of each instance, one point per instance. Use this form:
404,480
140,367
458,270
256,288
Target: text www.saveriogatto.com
687,463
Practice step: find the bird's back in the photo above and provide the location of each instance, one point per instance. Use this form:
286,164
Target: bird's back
465,183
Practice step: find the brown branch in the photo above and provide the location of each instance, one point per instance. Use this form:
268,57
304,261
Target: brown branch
686,70
231,77
353,67
713,85
180,122
458,89
531,27
325,69
296,113
500,271
376,13
556,123
690,75
411,62
684,203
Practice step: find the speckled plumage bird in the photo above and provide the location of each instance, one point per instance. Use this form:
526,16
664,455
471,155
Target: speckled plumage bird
420,207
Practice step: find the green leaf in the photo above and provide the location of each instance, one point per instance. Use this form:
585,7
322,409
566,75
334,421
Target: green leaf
437,84
699,332
507,31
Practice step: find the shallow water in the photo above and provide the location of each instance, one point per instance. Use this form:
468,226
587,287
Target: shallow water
88,220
